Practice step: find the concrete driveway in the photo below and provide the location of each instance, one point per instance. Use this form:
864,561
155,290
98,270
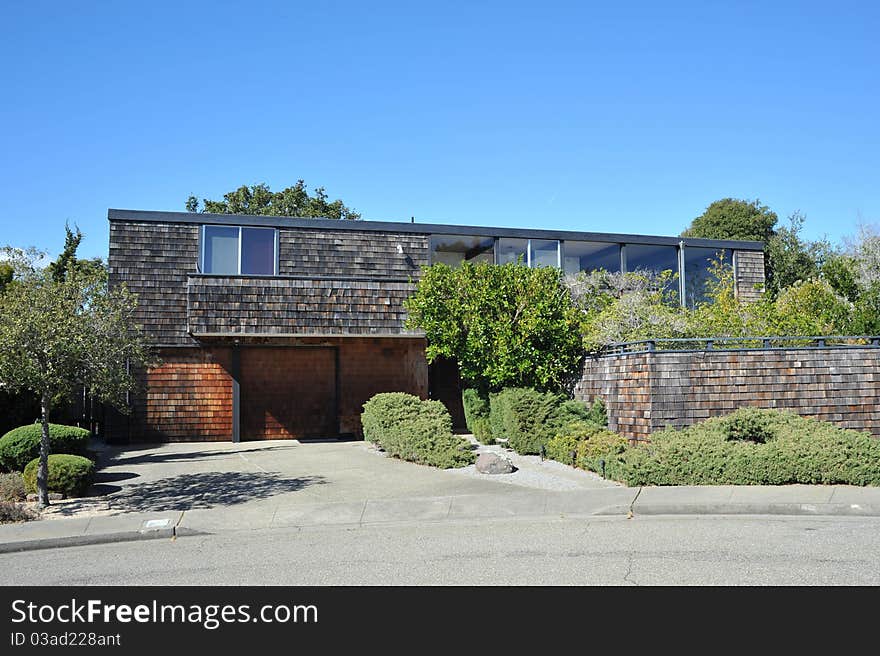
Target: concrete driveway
193,476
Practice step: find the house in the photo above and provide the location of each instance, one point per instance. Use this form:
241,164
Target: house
275,327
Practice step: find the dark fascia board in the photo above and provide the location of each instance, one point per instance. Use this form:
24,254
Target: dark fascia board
201,218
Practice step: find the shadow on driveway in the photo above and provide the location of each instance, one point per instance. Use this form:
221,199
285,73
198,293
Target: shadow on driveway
110,459
206,490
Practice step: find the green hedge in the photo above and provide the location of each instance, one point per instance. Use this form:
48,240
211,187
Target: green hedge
406,427
528,419
794,450
523,416
586,445
68,474
476,414
21,445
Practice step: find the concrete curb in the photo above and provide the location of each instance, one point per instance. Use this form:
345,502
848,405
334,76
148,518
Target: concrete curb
99,538
789,509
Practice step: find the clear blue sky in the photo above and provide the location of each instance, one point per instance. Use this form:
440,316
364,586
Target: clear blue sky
626,117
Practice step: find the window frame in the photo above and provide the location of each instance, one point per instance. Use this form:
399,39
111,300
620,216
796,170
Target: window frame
275,246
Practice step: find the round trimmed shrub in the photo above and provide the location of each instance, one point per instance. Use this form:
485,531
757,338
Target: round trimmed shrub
21,445
68,474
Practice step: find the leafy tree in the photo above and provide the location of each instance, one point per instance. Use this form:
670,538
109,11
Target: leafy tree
730,218
67,261
61,332
620,307
792,259
7,273
292,201
506,325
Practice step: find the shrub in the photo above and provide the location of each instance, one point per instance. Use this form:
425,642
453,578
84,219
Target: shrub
68,474
598,413
476,414
589,442
12,512
801,450
603,445
385,410
563,448
750,425
525,417
21,445
406,427
12,487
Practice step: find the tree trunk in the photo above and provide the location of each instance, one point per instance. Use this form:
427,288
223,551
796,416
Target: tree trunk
43,469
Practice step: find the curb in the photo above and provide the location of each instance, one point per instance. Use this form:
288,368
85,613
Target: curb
790,509
100,538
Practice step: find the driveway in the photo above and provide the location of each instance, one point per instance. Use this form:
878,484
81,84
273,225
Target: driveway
288,473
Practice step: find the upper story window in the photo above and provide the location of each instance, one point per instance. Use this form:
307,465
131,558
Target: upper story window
236,250
697,273
591,256
455,249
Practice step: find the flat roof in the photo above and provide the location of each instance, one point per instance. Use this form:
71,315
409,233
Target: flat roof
417,228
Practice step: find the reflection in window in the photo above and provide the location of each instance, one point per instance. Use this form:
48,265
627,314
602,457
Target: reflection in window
257,251
220,250
643,257
544,253
455,249
656,259
512,250
591,256
697,271
232,250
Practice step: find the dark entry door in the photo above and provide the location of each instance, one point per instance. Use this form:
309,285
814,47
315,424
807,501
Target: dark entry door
288,393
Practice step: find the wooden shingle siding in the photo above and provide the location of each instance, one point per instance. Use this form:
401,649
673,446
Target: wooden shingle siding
187,398
645,392
154,259
749,274
351,253
283,306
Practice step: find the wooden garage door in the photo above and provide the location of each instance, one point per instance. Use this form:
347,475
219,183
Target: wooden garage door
288,393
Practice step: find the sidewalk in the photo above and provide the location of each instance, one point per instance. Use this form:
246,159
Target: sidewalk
802,500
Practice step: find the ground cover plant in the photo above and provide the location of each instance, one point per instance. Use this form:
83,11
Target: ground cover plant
750,446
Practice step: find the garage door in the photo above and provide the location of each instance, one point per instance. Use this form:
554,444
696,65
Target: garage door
288,393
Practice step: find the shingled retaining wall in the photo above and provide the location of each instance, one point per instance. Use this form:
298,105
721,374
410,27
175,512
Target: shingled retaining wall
648,391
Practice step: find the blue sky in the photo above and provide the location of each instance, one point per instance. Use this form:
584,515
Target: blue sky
625,117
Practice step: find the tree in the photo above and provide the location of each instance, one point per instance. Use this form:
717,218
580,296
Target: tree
59,333
506,325
67,260
790,258
730,218
292,201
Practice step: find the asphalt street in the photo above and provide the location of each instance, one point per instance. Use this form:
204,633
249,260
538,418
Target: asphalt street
647,550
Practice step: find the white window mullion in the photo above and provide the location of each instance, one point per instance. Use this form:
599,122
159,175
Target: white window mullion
239,250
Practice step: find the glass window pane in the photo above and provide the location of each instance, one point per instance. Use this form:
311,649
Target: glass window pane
258,251
455,249
697,265
642,257
221,250
511,250
591,256
545,253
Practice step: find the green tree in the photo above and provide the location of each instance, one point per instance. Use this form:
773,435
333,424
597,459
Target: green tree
292,201
506,325
59,335
730,218
68,262
790,258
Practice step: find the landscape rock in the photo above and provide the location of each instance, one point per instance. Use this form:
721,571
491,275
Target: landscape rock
492,463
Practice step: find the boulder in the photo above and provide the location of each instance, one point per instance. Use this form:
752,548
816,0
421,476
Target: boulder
492,463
